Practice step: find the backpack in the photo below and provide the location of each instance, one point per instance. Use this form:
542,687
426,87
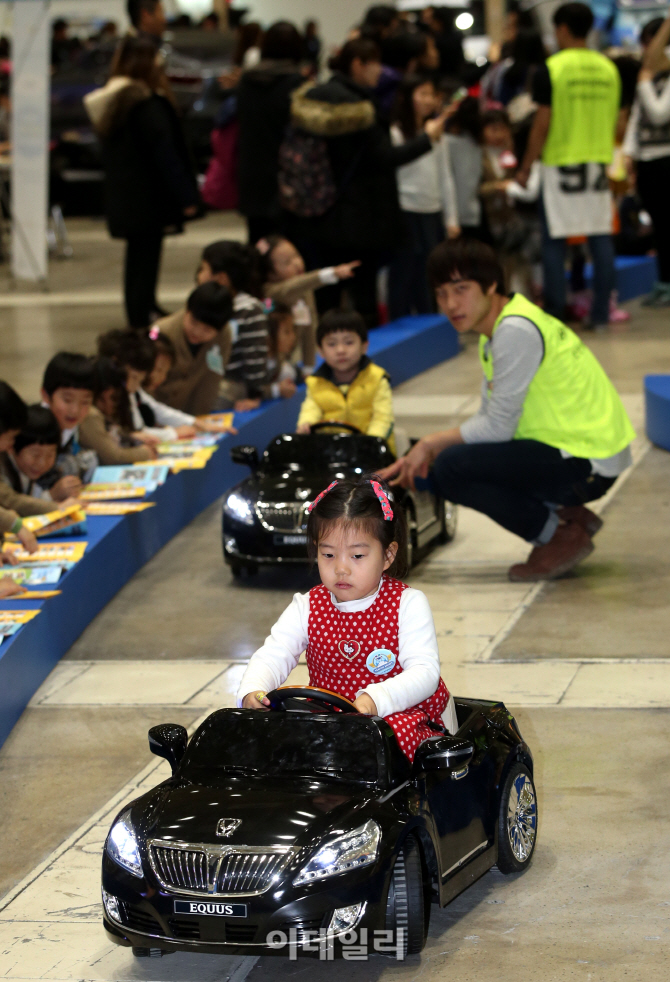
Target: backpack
306,184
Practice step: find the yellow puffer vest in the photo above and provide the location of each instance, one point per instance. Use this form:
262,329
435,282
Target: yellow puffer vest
355,407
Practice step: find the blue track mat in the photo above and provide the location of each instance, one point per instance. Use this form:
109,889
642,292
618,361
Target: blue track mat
657,409
119,546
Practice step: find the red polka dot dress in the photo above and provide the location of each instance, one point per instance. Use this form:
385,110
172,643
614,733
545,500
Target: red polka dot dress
348,651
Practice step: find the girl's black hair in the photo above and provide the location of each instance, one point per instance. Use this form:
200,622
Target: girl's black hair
130,349
280,311
238,261
13,411
41,427
467,119
109,375
403,110
354,502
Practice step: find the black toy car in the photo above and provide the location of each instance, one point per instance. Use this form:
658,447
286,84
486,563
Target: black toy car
307,830
265,516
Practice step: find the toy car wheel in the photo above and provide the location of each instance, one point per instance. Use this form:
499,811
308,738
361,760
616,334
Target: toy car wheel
449,520
405,905
517,821
147,952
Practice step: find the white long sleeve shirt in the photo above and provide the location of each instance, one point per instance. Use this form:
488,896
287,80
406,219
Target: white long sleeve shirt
418,654
657,110
167,418
426,185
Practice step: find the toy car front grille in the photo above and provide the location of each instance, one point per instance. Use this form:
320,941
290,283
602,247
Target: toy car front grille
282,517
248,872
183,869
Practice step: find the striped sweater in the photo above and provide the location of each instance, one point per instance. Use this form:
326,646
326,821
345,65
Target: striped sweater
249,354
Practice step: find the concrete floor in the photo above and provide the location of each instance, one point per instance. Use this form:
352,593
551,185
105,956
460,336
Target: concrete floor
569,659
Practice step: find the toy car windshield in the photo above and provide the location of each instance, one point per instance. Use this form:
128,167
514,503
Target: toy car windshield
258,744
325,451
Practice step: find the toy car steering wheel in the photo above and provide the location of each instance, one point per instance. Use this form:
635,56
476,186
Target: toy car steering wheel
342,426
327,699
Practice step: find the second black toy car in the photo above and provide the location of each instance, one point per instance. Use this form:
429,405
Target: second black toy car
265,516
303,829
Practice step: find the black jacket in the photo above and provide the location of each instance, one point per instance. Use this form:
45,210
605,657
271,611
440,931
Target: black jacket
149,178
263,108
366,214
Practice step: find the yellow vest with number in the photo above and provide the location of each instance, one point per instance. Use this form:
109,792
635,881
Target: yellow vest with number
585,93
571,403
356,406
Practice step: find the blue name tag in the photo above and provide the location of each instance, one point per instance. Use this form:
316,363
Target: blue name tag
381,661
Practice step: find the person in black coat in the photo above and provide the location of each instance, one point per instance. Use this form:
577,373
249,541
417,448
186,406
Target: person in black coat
263,109
150,186
365,221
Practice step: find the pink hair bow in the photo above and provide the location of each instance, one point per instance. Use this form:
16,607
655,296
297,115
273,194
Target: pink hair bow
154,332
387,511
312,506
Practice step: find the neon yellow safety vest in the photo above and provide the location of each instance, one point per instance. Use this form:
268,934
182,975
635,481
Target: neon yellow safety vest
585,93
571,403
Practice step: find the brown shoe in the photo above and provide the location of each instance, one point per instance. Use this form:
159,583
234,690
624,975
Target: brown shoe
583,516
569,544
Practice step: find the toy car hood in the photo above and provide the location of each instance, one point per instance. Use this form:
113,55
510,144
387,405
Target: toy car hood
254,812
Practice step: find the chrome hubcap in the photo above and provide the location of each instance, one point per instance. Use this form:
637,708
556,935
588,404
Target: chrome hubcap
522,817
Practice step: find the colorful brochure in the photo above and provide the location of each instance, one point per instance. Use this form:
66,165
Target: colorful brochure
141,475
32,576
111,491
48,552
63,521
117,507
222,421
12,620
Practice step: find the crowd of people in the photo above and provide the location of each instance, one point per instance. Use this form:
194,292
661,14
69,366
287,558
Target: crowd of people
400,144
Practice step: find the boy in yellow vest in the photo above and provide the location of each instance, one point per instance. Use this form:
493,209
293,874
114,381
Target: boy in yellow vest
348,387
551,433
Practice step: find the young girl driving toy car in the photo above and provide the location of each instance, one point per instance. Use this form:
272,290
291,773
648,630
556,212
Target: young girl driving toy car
367,635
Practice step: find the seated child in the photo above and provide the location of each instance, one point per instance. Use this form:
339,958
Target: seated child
13,416
284,278
155,413
108,428
367,636
283,375
348,387
32,457
136,354
200,335
67,390
235,266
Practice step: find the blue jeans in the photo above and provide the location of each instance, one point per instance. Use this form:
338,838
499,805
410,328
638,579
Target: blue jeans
601,248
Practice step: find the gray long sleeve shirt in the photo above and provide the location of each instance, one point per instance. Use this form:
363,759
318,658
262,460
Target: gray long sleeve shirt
516,350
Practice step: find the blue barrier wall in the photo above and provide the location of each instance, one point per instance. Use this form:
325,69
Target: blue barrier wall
119,546
657,409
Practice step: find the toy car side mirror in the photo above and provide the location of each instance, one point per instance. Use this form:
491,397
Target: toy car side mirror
168,740
443,754
245,455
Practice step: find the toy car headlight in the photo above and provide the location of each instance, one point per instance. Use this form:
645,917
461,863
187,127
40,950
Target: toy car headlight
239,508
347,852
122,845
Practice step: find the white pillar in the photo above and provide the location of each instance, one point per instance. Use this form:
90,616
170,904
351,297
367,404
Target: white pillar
30,137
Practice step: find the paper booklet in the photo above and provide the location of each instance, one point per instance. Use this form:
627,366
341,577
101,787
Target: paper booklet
62,521
48,552
222,421
141,475
32,576
12,620
117,507
111,491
